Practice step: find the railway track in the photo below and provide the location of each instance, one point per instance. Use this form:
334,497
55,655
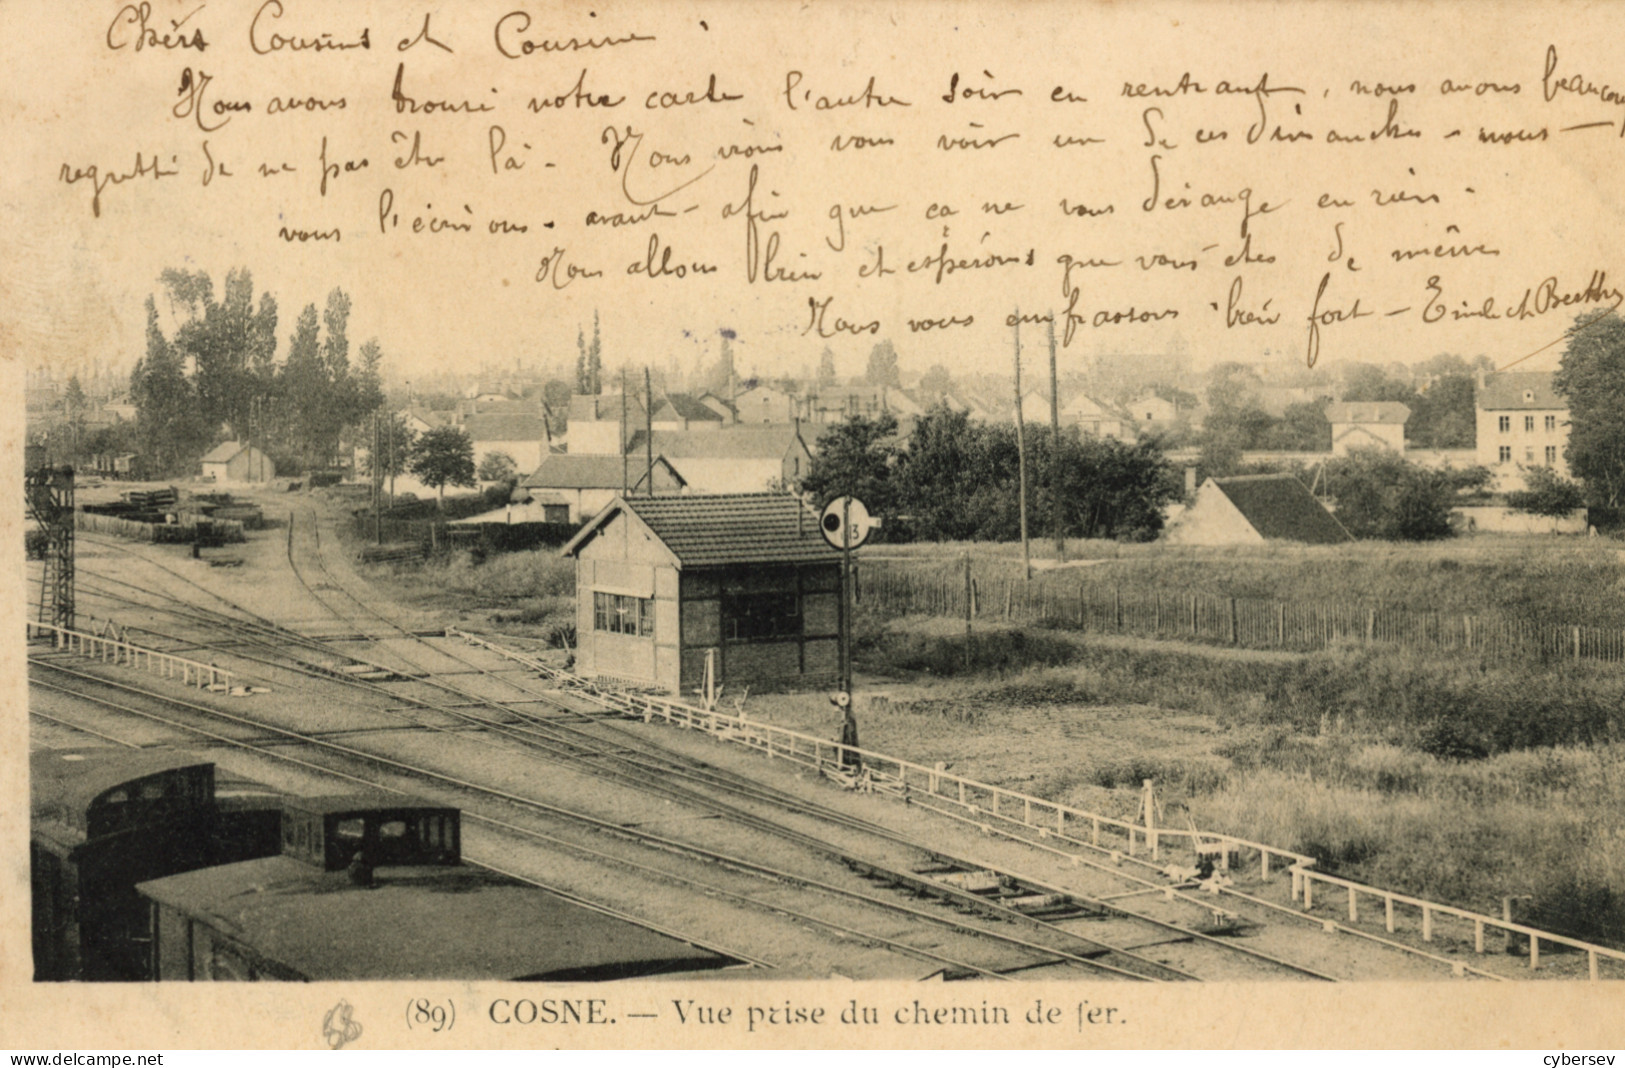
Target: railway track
542,820
576,734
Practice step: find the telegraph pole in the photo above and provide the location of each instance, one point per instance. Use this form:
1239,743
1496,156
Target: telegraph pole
1021,457
1055,446
649,430
377,483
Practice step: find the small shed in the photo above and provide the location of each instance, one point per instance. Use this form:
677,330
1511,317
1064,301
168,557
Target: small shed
1252,509
233,461
744,581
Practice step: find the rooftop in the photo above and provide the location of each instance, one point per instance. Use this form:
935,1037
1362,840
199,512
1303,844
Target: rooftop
417,923
1387,412
63,782
716,530
506,426
766,441
1520,390
1281,507
605,406
224,452
563,470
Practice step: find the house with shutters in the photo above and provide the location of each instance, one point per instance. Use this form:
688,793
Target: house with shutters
1522,421
742,588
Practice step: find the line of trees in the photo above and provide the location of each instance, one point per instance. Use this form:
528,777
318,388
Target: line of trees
216,376
954,479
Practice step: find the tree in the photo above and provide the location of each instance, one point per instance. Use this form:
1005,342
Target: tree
443,456
1547,493
302,386
498,467
855,458
556,399
167,420
74,408
937,381
1381,495
595,359
882,369
1303,427
1445,417
1592,377
229,342
826,369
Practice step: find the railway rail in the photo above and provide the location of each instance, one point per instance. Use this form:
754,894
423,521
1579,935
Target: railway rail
577,732
269,741
1001,894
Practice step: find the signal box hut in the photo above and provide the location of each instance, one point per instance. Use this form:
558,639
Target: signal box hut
742,580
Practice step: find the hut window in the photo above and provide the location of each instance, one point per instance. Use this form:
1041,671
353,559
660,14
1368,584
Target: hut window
618,614
762,615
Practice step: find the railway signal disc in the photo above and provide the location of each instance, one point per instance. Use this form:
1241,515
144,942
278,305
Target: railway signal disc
858,523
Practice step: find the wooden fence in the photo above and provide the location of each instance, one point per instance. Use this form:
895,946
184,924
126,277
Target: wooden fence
229,530
1252,623
1066,830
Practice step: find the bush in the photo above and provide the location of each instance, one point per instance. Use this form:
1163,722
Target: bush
1381,495
1548,494
1580,908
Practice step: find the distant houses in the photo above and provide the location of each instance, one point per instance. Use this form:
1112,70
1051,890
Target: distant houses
520,435
741,459
1367,425
1092,417
566,488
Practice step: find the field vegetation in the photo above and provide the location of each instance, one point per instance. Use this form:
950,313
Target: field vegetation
1541,578
1456,778
1452,776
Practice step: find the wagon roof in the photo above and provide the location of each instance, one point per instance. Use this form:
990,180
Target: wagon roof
63,782
416,923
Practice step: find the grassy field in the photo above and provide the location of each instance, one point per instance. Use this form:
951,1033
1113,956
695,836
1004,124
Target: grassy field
1452,776
1458,780
1543,578
531,593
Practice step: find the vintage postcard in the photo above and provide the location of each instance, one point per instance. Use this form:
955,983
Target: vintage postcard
848,525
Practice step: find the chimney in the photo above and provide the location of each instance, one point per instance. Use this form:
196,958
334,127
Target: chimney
1190,481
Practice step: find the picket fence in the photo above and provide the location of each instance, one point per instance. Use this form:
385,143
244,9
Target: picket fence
935,590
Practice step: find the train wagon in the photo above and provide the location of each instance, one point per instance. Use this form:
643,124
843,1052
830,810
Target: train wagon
103,820
373,887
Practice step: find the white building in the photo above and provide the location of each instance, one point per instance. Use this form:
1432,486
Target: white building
1522,422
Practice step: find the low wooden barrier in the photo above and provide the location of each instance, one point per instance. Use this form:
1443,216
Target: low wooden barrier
115,651
987,804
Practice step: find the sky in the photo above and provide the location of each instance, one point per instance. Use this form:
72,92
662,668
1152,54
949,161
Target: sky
1097,158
